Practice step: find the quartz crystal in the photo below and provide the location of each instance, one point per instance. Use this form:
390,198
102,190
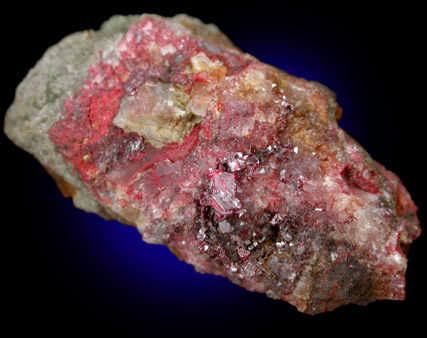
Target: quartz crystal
238,167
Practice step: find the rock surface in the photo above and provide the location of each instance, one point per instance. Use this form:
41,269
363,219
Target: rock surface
238,167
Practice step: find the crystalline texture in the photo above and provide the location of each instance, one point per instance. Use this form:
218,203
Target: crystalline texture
238,167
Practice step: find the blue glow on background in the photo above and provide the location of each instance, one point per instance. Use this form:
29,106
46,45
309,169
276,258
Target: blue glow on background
116,254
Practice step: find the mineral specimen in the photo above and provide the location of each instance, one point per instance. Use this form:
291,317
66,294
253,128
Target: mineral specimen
238,167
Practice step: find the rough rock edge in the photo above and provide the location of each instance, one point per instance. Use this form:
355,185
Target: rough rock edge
39,102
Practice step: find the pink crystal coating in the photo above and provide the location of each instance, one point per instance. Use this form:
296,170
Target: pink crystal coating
247,174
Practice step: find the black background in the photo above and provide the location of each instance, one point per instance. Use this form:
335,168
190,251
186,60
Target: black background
369,56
